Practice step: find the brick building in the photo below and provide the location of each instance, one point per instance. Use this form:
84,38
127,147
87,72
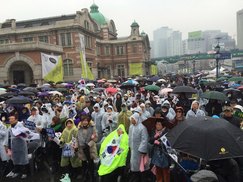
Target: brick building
22,42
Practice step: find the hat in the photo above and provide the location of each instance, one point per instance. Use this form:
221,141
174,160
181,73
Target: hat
227,108
179,108
110,107
124,105
166,105
147,102
142,105
204,175
125,95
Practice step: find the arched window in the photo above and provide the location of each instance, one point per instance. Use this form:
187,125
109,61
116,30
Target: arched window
68,67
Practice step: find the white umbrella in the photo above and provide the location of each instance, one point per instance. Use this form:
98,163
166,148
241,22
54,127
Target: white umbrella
165,91
90,85
161,80
55,93
46,85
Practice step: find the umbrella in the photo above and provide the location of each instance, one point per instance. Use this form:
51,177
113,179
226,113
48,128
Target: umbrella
43,94
67,85
161,80
165,91
18,100
207,138
154,78
214,95
26,93
30,89
90,85
150,123
111,90
236,79
98,89
222,79
21,85
55,93
152,88
130,82
46,85
184,89
235,85
8,94
240,88
112,81
100,81
61,89
226,91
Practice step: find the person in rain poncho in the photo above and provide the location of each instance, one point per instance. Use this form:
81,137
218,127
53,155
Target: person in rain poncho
3,138
113,154
149,108
109,121
97,115
17,147
68,142
124,117
138,143
86,146
195,111
144,112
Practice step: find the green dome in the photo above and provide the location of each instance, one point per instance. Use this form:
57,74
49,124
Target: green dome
143,33
134,24
96,15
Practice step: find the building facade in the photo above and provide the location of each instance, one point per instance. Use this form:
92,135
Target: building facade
239,20
205,41
22,42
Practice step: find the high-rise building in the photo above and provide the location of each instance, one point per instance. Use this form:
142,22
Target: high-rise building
167,42
204,41
240,29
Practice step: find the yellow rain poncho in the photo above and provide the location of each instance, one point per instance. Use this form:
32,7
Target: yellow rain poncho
113,151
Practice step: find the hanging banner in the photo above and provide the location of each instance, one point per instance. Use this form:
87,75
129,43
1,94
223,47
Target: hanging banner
52,69
153,69
135,69
86,72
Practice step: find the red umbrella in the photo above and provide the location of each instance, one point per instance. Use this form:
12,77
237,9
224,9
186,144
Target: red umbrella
240,88
111,90
101,81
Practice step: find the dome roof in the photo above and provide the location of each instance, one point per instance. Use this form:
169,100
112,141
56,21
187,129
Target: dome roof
96,15
134,24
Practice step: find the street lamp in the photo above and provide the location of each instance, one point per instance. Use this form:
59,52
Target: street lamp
217,57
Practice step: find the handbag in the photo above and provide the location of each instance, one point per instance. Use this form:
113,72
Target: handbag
67,151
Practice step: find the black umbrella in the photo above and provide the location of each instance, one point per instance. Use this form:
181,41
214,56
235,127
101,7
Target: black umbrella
26,93
31,89
98,89
8,94
18,100
151,122
207,138
184,89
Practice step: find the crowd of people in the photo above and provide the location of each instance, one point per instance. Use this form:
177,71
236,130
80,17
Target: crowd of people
90,134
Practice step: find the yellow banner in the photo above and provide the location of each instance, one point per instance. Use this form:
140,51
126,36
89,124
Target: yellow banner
153,70
135,69
86,72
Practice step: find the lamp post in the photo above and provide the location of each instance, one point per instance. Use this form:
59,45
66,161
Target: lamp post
217,57
194,65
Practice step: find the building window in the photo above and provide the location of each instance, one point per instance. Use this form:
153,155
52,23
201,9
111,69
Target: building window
134,48
28,39
90,66
98,50
68,67
66,39
119,50
107,50
86,24
88,42
43,39
4,41
121,70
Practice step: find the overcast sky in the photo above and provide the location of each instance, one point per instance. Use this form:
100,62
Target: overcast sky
182,15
